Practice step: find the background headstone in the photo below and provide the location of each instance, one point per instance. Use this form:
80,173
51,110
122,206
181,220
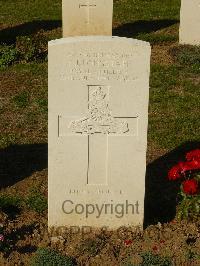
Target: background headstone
87,17
98,113
190,22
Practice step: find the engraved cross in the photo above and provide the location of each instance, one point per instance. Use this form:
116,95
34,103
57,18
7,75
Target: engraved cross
98,125
88,6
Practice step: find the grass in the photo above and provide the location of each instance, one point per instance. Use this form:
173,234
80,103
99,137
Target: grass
187,55
16,12
48,257
156,38
36,201
175,100
24,106
151,259
129,10
8,55
174,93
151,14
22,99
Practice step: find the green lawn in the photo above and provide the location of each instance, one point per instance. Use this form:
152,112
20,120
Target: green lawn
16,12
21,11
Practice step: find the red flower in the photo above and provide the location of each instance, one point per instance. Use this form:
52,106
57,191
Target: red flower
190,187
184,166
193,155
128,242
191,165
174,173
178,170
195,164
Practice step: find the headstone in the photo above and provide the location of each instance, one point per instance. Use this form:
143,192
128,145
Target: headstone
190,22
87,17
98,113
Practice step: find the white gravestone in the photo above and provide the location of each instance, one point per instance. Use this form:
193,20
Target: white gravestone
190,22
87,17
98,116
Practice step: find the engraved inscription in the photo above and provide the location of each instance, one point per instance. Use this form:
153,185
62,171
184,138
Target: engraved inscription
98,66
94,191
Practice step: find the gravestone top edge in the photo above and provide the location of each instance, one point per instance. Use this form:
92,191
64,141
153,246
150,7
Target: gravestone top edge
97,38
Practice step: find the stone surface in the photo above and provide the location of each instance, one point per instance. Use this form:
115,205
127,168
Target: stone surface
87,17
98,116
190,22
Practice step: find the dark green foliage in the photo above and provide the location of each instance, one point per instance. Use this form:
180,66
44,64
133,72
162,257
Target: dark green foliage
27,49
43,104
8,55
32,48
8,200
92,246
22,99
150,259
189,208
187,56
10,205
47,257
36,201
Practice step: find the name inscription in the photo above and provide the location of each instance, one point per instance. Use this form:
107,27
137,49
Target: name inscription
98,66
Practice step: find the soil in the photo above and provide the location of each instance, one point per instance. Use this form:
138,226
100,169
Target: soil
27,231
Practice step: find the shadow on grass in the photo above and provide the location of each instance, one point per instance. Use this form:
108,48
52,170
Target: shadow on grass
20,161
8,35
131,30
161,194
